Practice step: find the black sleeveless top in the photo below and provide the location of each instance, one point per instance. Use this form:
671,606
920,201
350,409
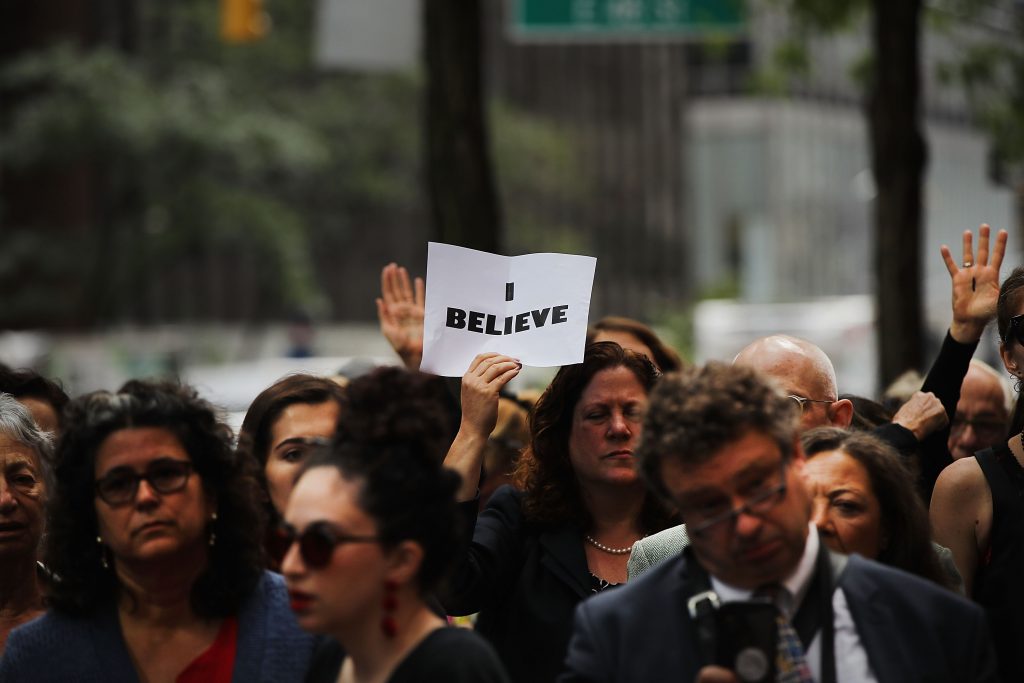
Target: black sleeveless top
999,586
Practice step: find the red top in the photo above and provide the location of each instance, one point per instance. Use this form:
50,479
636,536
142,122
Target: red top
217,663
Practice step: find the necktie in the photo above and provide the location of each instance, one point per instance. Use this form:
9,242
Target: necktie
790,660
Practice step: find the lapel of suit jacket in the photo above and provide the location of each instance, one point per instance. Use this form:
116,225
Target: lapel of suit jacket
687,657
565,558
877,625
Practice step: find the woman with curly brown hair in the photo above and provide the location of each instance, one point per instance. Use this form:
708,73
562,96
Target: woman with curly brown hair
154,540
565,531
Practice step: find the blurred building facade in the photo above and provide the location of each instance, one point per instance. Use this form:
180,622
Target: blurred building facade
704,187
663,164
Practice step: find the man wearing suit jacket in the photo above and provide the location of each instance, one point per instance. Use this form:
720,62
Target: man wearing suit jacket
803,371
721,446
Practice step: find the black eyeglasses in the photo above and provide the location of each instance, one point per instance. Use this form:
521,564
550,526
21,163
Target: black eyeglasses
760,503
120,485
1016,329
803,401
316,543
986,428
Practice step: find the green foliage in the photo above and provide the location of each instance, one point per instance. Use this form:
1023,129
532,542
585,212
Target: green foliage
103,101
202,147
678,327
191,145
807,19
538,162
204,153
791,56
861,70
989,68
824,16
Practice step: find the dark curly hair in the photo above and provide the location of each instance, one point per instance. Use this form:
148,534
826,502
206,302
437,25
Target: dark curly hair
551,493
665,357
235,562
693,414
905,522
391,440
27,383
255,434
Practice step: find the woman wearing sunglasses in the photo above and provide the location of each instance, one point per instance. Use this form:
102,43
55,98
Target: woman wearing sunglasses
369,531
977,510
154,540
284,424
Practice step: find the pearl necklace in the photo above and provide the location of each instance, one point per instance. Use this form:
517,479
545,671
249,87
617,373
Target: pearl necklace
607,549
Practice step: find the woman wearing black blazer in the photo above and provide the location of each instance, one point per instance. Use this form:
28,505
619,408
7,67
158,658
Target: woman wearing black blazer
565,530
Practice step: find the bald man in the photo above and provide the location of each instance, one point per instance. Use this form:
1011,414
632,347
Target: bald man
982,413
801,370
805,373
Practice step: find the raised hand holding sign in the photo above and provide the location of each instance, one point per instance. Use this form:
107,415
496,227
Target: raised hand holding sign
532,307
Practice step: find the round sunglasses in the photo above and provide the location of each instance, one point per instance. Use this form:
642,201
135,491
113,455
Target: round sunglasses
316,543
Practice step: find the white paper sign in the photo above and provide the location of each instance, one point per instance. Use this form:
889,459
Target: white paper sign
532,307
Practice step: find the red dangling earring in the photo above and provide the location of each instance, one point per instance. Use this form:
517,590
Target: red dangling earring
389,604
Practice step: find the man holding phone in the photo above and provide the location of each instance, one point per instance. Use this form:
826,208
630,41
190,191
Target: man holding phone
722,446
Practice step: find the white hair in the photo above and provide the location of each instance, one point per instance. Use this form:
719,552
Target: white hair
16,424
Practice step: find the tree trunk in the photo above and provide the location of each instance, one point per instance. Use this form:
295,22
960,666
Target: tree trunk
464,202
898,158
55,200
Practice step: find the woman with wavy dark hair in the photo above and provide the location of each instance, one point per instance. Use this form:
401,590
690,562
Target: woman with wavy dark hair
370,531
154,539
866,502
283,425
565,532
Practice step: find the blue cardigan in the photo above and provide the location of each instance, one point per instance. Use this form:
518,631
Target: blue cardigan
271,647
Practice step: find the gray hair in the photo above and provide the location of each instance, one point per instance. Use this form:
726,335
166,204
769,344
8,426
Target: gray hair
1004,386
16,423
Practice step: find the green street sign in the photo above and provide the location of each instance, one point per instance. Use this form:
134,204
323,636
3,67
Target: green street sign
610,19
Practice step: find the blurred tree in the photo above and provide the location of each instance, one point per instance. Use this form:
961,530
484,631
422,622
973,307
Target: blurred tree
898,151
464,201
25,27
992,75
202,158
153,173
898,158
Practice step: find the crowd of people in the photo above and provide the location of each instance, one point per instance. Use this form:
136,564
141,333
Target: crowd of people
642,519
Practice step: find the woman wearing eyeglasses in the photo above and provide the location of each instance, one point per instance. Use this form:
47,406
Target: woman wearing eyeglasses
370,528
154,539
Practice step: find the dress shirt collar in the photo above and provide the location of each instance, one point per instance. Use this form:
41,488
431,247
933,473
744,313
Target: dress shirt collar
796,583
